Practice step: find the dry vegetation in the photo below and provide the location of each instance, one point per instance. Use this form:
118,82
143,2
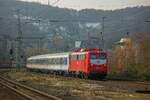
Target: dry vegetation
132,58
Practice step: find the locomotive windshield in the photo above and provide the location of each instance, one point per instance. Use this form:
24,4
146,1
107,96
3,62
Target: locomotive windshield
98,58
103,56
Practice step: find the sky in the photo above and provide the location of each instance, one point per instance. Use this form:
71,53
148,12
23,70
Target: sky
95,4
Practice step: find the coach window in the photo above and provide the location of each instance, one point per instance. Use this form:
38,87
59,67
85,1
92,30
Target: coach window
50,61
58,60
46,61
29,61
34,61
61,60
39,61
43,61
54,60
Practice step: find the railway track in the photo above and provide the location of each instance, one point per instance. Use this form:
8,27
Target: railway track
26,92
97,80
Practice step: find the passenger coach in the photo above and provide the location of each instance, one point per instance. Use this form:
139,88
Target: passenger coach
50,62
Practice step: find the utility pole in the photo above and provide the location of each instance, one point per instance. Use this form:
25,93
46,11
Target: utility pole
102,40
19,53
4,43
89,40
147,22
103,31
48,2
39,45
39,39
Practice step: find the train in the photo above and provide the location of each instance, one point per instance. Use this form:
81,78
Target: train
84,63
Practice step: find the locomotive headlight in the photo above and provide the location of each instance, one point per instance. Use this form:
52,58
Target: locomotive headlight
92,65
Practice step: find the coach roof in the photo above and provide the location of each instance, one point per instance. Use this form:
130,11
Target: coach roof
55,55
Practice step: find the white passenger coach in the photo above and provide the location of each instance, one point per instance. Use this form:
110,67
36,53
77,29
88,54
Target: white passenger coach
58,61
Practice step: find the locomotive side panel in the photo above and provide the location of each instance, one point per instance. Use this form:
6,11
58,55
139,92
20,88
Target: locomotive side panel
78,62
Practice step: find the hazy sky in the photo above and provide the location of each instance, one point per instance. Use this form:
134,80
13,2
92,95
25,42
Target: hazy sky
96,4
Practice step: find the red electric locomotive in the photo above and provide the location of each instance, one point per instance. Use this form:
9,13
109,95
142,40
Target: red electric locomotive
89,63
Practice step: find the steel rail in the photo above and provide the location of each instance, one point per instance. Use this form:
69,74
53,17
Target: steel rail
45,95
17,91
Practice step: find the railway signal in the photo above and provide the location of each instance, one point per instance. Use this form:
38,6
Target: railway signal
103,30
11,51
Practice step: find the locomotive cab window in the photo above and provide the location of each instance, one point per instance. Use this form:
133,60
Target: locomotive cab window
81,57
103,56
93,56
73,57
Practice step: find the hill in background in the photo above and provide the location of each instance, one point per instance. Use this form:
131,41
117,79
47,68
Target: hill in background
76,26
